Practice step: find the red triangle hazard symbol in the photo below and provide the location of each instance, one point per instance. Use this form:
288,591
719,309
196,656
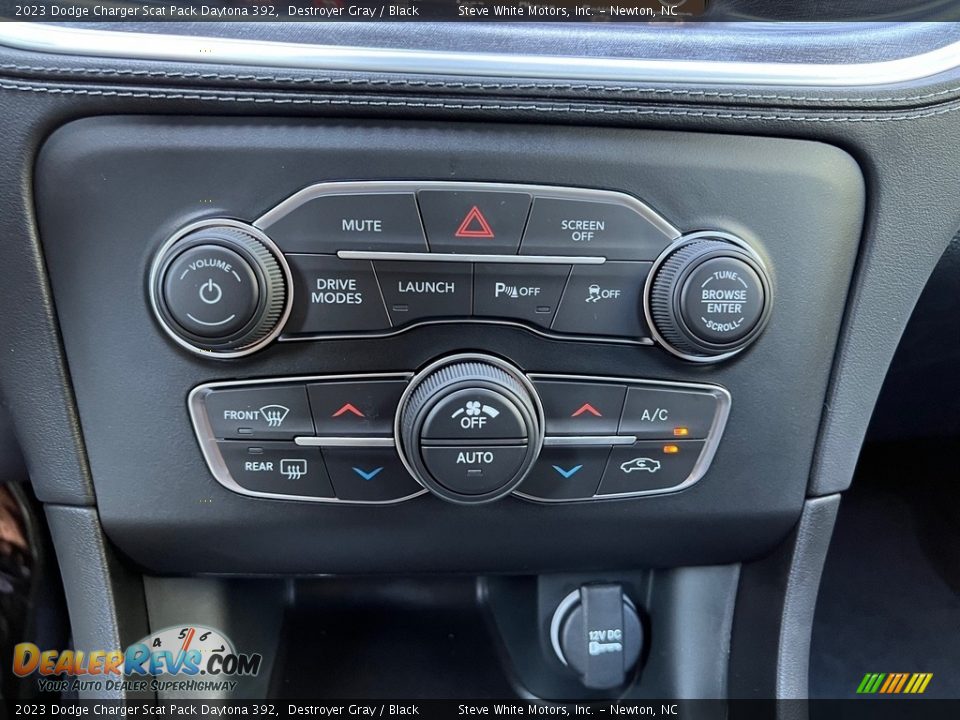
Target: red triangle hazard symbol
474,225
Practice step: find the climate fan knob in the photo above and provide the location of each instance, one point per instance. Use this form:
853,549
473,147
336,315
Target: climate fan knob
469,430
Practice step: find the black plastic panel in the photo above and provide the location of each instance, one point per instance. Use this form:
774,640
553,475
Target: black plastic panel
110,190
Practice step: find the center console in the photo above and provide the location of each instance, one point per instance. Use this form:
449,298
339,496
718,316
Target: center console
365,347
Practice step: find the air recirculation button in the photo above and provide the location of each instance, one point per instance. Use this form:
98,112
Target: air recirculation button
470,430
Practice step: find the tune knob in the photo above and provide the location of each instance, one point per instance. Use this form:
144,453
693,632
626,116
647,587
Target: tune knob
220,290
470,429
708,298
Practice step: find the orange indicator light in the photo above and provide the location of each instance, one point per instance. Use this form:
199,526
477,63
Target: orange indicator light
681,431
671,449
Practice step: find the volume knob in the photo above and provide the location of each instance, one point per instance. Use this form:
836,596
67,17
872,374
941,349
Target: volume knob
220,290
709,298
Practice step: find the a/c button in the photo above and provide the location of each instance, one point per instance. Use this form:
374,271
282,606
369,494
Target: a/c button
650,413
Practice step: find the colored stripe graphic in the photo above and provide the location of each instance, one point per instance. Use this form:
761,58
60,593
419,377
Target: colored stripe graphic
894,683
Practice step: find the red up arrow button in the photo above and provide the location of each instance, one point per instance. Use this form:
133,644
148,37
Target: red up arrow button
348,408
587,408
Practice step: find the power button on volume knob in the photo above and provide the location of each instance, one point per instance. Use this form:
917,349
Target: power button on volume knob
709,298
220,291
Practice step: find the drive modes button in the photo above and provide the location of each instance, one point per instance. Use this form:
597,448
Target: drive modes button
335,296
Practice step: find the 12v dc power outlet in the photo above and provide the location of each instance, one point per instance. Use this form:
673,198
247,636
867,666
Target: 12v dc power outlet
596,631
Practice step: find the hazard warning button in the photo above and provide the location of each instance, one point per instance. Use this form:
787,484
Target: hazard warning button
474,222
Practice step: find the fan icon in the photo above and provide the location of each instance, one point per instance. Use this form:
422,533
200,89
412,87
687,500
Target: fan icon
473,407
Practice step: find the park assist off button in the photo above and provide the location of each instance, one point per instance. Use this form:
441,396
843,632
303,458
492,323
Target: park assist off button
524,292
579,227
335,296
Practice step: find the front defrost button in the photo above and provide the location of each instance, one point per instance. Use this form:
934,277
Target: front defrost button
524,292
265,413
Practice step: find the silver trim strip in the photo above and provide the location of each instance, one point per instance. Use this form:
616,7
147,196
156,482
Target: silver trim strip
347,442
710,443
607,340
45,38
383,255
208,441
368,187
587,440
